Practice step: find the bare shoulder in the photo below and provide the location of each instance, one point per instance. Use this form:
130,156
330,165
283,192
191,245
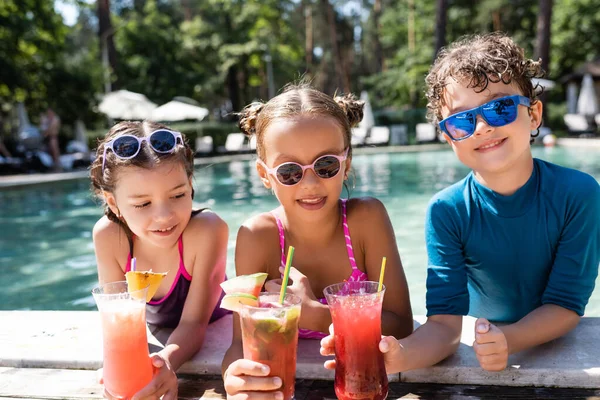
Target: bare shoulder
258,228
207,220
366,209
111,246
257,244
109,235
207,225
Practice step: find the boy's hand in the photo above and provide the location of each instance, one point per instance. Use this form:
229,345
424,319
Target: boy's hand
245,379
164,382
490,345
389,346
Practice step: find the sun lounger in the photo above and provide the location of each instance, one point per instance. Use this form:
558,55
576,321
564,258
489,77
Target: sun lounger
358,136
577,124
425,133
235,143
380,135
204,145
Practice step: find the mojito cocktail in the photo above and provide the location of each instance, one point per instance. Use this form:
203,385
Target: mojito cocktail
270,336
127,367
356,314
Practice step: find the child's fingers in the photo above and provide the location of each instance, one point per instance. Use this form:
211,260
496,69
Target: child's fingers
273,285
388,344
493,335
329,364
327,346
493,362
256,396
157,361
247,367
482,325
153,390
486,349
170,395
235,384
100,376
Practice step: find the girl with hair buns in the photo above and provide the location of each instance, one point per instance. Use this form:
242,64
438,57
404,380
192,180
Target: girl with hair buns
304,157
143,175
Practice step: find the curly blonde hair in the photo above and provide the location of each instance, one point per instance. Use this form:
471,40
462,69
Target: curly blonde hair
298,100
478,60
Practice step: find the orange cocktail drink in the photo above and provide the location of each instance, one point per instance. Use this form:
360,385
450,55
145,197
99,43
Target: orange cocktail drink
127,367
270,336
355,309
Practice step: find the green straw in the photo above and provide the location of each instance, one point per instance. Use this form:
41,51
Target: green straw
286,274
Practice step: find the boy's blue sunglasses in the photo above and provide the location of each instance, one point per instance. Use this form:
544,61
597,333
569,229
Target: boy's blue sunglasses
498,112
126,147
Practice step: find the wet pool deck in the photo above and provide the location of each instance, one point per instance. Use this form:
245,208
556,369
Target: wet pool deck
55,354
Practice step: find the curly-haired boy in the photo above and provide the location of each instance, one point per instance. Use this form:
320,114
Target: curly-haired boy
517,241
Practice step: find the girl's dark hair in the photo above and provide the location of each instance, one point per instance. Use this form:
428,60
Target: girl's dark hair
301,100
478,60
106,181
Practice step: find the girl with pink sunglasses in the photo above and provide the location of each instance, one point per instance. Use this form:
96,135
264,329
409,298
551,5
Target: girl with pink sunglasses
304,158
143,175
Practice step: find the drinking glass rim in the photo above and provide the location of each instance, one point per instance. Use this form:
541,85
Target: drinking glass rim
341,284
96,290
297,301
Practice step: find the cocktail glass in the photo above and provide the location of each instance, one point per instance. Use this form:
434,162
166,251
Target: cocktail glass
355,309
270,336
127,367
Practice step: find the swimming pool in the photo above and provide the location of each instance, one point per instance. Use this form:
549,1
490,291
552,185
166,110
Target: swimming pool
46,253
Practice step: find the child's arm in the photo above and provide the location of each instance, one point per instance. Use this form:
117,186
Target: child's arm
493,344
206,235
110,245
429,344
378,240
240,376
569,287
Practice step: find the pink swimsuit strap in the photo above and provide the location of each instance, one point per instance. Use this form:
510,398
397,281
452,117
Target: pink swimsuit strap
356,275
181,271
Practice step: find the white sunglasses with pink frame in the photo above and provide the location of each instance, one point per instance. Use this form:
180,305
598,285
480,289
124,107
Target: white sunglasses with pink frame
291,173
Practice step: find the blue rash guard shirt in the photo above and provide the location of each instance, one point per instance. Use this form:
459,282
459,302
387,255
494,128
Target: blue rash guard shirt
501,257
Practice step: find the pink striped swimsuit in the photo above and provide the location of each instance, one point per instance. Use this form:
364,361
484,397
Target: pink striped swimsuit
356,276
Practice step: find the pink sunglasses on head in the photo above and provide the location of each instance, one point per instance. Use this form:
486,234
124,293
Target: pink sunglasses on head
291,173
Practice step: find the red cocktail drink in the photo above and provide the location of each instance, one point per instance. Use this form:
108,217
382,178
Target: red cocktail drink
270,336
356,313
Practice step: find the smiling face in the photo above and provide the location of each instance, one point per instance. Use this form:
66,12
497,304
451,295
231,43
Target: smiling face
155,203
491,150
303,140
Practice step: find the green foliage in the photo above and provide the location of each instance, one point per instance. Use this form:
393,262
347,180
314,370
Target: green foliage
214,50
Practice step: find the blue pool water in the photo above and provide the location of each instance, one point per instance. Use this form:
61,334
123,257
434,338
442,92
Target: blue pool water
47,257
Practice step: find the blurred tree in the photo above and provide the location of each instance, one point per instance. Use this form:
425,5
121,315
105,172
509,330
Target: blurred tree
108,52
31,44
575,35
542,41
441,17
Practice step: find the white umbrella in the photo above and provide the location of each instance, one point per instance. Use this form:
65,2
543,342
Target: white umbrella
178,111
587,103
124,104
368,120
